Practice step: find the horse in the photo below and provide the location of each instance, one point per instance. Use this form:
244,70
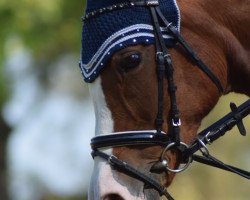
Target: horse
131,95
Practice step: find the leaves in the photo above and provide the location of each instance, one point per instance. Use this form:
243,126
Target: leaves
47,28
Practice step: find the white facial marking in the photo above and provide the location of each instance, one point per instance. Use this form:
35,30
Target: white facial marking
104,121
103,181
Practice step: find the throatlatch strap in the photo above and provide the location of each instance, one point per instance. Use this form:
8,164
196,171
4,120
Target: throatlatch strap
129,170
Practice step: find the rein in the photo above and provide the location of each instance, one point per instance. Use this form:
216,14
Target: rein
158,137
207,136
214,132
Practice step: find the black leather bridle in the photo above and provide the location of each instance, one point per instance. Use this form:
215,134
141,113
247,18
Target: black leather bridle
158,137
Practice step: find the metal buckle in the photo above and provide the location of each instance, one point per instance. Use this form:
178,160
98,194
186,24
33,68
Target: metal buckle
159,53
203,149
160,57
110,159
207,139
178,123
167,55
165,163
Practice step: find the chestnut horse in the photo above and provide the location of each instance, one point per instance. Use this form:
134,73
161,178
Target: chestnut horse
125,94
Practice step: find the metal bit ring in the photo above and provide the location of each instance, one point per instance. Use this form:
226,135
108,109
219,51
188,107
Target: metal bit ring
179,169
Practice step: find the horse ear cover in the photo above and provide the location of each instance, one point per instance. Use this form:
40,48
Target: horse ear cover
107,33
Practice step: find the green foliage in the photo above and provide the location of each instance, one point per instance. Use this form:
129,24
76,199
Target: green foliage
47,28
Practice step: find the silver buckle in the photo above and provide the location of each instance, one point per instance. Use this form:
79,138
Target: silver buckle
110,159
207,139
203,149
178,123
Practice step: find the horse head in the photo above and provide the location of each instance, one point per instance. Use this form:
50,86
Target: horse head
121,45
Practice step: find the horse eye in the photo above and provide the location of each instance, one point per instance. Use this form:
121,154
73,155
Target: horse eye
130,61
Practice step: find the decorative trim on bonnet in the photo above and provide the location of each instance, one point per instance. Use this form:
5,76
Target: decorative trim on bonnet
122,38
128,26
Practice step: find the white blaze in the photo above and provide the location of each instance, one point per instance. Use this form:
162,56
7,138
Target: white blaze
103,181
104,122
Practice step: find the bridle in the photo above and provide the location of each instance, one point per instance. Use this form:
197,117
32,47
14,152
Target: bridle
207,136
158,137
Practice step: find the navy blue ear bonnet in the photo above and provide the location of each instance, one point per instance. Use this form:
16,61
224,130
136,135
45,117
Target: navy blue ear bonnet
105,34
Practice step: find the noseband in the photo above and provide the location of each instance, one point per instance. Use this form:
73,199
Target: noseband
158,137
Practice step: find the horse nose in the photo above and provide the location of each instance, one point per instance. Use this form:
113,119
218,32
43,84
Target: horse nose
113,197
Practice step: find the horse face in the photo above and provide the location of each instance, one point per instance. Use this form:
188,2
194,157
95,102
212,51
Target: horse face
125,99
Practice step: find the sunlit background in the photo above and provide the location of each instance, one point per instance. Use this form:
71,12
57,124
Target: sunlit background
47,118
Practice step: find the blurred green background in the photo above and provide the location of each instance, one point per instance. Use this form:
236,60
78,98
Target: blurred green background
46,31
49,30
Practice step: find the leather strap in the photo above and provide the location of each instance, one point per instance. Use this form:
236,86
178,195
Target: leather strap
214,132
130,138
238,117
191,53
218,129
129,170
164,64
212,161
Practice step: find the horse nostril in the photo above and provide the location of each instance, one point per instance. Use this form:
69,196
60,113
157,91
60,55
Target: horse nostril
113,197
